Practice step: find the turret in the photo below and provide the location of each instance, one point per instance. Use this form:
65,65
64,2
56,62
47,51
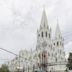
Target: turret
57,33
58,36
44,22
44,31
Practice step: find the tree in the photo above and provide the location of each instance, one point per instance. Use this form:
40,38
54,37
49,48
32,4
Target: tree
4,68
69,65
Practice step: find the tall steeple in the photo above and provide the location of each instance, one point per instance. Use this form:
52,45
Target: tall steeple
57,33
44,22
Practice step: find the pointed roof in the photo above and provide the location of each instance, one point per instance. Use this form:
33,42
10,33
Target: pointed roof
44,22
57,33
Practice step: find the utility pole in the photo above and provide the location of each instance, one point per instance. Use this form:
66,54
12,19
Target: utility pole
33,68
19,64
28,68
23,66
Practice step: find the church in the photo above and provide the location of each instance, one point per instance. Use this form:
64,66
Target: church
50,55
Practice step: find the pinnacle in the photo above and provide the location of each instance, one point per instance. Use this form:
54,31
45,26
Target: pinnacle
44,22
58,33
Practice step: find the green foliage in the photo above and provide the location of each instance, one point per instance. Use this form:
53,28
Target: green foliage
69,65
4,68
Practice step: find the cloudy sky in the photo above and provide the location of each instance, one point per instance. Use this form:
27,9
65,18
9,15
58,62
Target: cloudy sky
20,19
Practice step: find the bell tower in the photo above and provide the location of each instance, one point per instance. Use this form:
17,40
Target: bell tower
59,45
49,50
43,42
43,33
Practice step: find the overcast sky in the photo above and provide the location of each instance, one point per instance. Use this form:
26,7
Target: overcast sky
20,19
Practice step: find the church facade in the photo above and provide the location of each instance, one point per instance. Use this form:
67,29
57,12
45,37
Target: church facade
50,53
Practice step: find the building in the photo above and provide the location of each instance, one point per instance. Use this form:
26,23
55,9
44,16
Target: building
22,62
49,54
50,51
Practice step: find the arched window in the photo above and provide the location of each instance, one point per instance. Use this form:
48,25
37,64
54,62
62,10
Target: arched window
46,34
54,44
48,54
57,43
56,59
42,34
39,35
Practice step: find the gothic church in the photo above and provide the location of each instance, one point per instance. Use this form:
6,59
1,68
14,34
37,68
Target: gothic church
50,55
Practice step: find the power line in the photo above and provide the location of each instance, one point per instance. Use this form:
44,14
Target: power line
11,52
8,51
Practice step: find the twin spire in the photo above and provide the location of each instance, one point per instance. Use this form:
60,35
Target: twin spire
44,24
